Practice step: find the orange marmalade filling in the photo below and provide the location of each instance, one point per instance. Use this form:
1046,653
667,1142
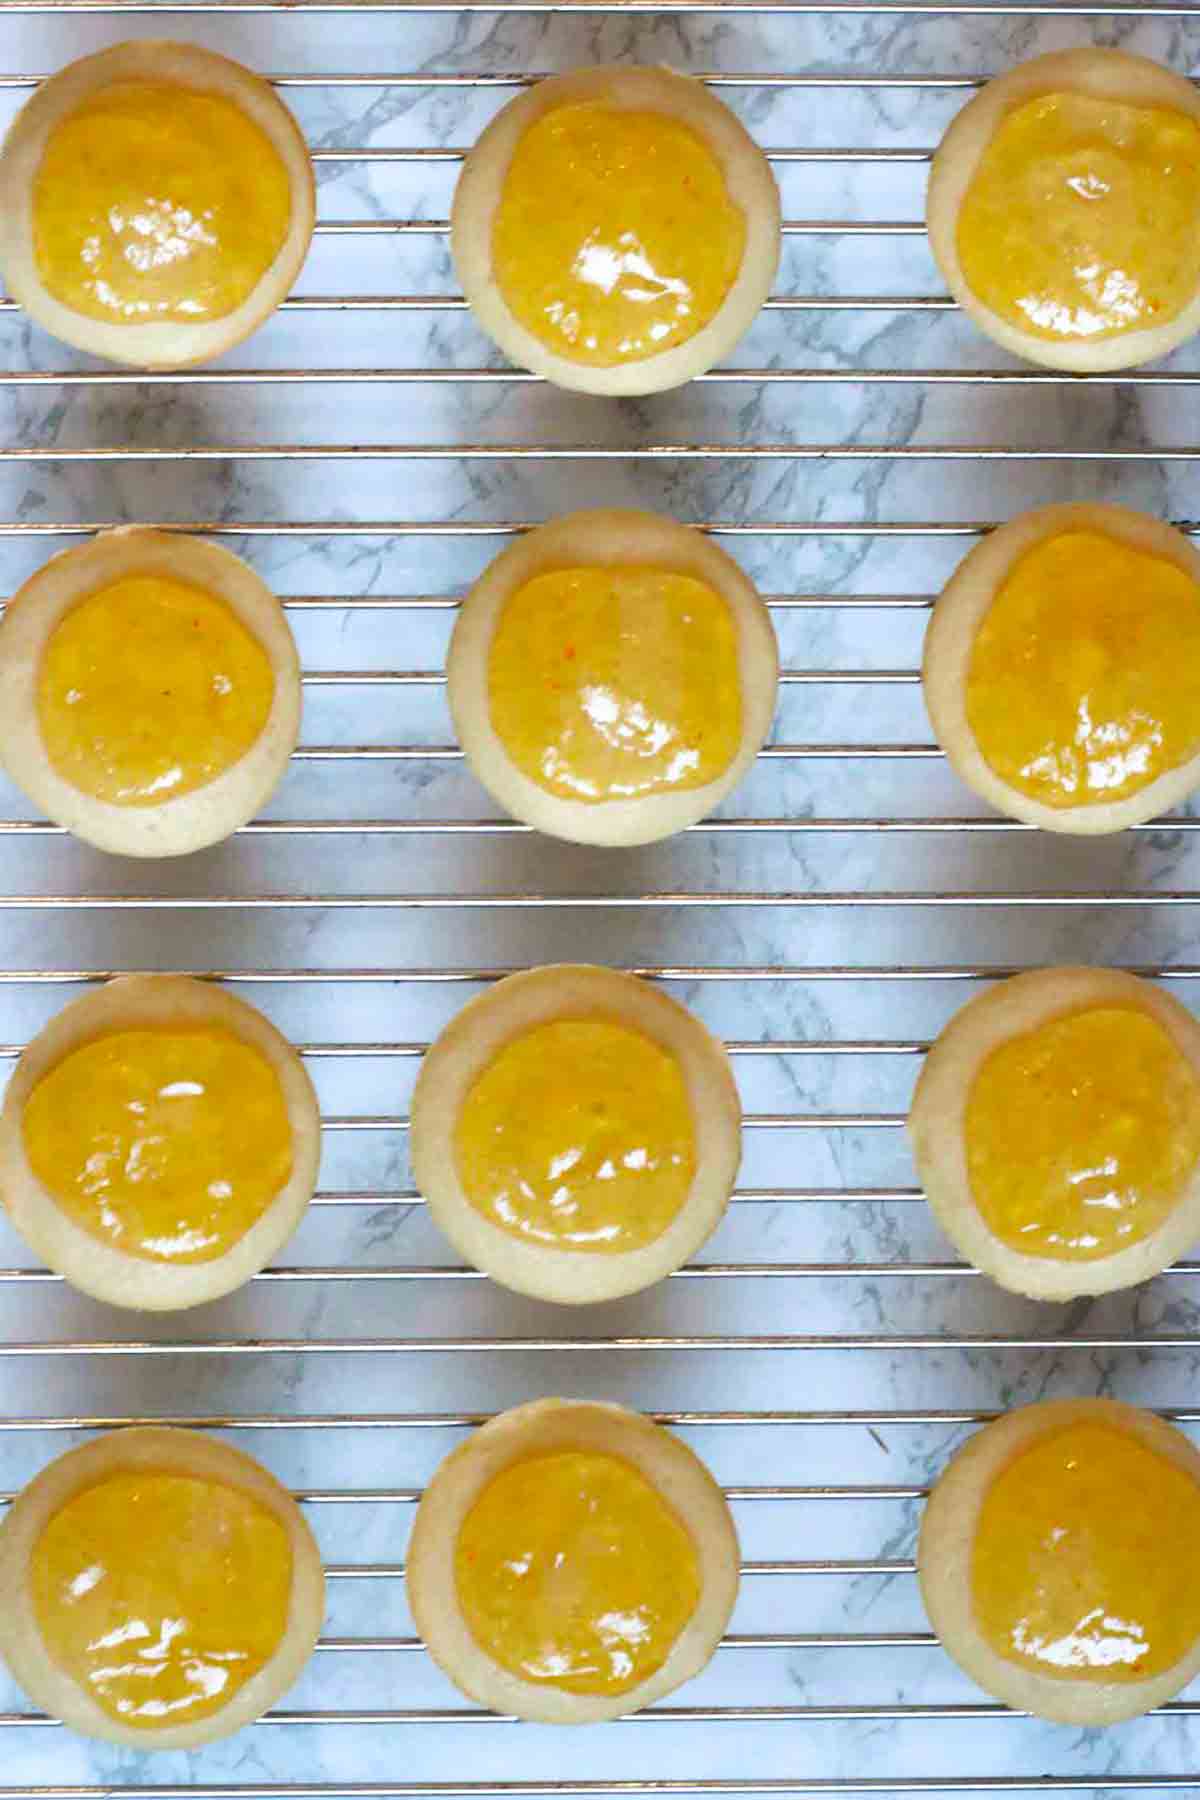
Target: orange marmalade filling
573,1570
578,1135
161,1595
1083,1565
615,237
155,203
609,683
1083,684
1081,1134
1081,219
148,689
164,1144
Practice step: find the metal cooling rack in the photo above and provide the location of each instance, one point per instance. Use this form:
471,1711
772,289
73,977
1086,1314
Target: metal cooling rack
631,1354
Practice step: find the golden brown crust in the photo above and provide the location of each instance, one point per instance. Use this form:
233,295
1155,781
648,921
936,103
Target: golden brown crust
947,1542
538,1429
469,1043
1104,74
609,538
936,1126
748,178
171,1452
161,345
950,640
131,1003
190,821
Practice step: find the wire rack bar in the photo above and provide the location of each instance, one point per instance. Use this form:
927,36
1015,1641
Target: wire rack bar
1156,900
1017,9
569,453
334,377
780,1196
509,827
822,1271
482,528
649,971
750,1122
503,80
443,303
735,1047
440,153
565,1790
886,1419
638,1343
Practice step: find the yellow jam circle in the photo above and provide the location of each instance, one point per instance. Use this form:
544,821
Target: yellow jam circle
1080,219
1081,1134
572,1569
155,203
149,689
578,1135
161,1595
615,237
616,683
1083,684
167,1145
1084,1561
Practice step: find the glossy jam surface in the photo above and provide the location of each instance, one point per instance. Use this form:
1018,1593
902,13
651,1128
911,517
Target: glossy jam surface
1084,1561
149,689
157,204
1080,220
578,1135
1081,1134
616,683
573,1570
168,1145
161,1595
615,237
1083,684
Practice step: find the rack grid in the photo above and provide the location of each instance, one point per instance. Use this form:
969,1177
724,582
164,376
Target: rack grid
341,915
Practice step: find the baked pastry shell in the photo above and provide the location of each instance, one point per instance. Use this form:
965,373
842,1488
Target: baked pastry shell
937,1128
478,1033
132,1003
164,344
164,1451
748,179
543,1428
950,640
1104,75
947,1542
609,537
189,821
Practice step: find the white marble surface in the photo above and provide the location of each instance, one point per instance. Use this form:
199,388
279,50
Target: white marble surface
827,494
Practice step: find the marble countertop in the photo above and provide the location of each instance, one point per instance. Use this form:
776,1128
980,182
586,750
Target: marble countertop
799,966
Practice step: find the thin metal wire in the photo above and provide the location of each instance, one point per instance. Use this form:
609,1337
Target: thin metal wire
444,153
756,1785
429,79
509,453
685,972
856,377
734,1046
585,1790
1157,900
1021,9
885,1419
706,828
640,1344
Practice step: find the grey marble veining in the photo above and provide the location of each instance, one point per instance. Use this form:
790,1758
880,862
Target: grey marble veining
850,1205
